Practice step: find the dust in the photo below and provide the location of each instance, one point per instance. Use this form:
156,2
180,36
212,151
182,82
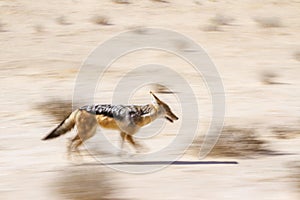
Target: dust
56,108
236,142
84,183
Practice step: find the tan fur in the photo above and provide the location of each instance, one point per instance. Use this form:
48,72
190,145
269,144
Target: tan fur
107,122
87,123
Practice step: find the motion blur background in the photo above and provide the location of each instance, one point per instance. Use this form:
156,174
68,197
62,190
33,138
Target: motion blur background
254,45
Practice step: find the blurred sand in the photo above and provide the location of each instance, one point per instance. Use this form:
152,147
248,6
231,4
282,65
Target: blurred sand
43,46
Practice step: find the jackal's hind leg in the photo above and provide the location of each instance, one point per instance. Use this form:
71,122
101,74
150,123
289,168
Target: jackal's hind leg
71,143
72,147
86,128
83,136
71,150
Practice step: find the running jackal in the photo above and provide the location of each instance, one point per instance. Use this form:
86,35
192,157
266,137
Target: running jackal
127,119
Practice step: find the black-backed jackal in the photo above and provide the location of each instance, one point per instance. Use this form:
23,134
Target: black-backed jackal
127,119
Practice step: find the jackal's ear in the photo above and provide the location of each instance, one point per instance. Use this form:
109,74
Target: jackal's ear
155,99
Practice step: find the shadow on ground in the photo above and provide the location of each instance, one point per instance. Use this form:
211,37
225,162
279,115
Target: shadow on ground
167,163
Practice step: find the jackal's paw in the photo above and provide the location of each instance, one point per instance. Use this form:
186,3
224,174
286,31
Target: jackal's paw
122,153
142,149
74,157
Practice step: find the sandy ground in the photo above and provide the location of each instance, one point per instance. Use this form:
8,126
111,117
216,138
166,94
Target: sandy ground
255,46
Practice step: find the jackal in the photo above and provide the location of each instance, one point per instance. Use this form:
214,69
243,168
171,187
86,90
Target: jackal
127,119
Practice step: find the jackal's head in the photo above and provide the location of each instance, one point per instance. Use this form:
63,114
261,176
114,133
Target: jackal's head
163,109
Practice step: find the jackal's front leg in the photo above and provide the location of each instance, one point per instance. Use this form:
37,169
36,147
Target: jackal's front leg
123,138
136,145
129,138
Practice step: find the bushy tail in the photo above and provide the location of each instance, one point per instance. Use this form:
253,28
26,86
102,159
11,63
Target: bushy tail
65,126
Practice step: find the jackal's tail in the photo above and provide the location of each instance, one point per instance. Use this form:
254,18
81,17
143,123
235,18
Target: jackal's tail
65,126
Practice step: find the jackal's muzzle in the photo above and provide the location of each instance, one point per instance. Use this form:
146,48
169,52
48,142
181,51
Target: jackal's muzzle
171,117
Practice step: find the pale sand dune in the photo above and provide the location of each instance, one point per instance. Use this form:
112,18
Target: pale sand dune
253,44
